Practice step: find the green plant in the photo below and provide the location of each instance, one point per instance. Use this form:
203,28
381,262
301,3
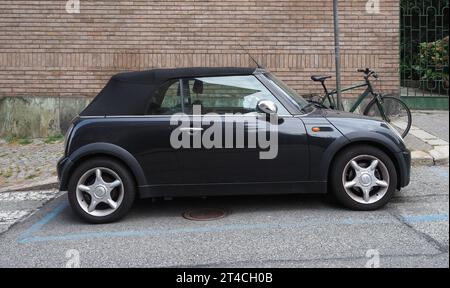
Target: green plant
54,138
24,141
433,61
8,173
31,176
408,67
11,139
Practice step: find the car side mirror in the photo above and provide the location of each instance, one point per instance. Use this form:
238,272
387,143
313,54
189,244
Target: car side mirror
266,107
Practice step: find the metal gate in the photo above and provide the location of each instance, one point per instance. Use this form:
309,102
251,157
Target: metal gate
424,56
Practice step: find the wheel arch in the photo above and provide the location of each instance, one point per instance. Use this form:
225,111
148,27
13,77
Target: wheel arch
103,150
390,152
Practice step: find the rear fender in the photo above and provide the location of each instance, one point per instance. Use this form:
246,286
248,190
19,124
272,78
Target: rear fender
106,149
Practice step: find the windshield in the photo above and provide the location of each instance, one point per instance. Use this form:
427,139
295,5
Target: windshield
289,92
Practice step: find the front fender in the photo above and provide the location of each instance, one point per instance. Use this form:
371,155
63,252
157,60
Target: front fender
100,148
377,137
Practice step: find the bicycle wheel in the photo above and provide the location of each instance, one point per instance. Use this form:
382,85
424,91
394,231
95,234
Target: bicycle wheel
396,111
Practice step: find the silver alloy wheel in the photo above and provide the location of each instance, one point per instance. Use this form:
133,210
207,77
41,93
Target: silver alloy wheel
365,179
96,196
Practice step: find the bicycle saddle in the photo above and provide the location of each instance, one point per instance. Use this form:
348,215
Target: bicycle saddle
320,78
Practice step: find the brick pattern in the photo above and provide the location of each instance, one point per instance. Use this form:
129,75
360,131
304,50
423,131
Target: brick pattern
44,51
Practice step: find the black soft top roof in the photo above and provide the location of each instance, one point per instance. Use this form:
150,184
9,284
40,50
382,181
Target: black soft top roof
129,93
167,74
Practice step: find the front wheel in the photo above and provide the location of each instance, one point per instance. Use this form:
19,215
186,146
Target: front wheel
363,178
395,111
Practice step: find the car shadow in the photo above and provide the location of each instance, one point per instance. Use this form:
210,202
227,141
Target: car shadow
237,205
233,204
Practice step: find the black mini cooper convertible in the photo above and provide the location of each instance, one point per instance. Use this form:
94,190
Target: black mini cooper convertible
221,131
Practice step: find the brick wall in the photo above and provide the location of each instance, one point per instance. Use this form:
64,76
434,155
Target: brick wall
45,51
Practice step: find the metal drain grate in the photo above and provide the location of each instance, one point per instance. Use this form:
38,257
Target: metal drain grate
205,214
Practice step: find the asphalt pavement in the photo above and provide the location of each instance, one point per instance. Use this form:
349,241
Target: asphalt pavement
259,231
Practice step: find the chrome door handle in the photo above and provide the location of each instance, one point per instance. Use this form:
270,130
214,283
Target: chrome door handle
191,130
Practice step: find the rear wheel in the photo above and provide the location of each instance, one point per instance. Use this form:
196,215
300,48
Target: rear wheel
396,111
363,178
101,190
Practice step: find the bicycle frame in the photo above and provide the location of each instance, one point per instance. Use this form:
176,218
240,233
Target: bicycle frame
368,91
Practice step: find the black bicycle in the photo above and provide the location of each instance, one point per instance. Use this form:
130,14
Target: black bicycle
385,107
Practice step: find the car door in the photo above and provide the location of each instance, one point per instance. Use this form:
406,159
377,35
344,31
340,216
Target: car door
230,102
158,158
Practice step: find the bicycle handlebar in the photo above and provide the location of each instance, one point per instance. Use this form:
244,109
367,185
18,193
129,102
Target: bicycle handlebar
368,72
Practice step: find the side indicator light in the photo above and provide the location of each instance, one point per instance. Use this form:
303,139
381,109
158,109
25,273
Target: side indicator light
315,129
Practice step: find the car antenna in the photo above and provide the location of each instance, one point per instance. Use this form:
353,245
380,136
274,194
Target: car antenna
249,55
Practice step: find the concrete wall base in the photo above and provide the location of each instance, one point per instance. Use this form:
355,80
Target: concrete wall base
38,117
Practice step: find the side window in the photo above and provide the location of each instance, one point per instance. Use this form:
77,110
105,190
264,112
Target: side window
228,94
167,99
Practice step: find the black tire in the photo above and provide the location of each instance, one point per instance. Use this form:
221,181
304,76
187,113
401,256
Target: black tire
126,177
394,109
337,173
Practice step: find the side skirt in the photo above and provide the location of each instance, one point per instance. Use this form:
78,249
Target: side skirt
222,189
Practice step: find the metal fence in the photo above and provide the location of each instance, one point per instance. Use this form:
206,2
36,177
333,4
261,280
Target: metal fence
424,50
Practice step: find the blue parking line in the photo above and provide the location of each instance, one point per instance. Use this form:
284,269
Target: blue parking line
28,237
426,218
185,230
46,219
444,174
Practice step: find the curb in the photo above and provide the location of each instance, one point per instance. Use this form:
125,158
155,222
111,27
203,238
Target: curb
41,185
438,155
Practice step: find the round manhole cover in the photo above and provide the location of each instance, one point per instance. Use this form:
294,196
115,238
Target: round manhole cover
205,214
